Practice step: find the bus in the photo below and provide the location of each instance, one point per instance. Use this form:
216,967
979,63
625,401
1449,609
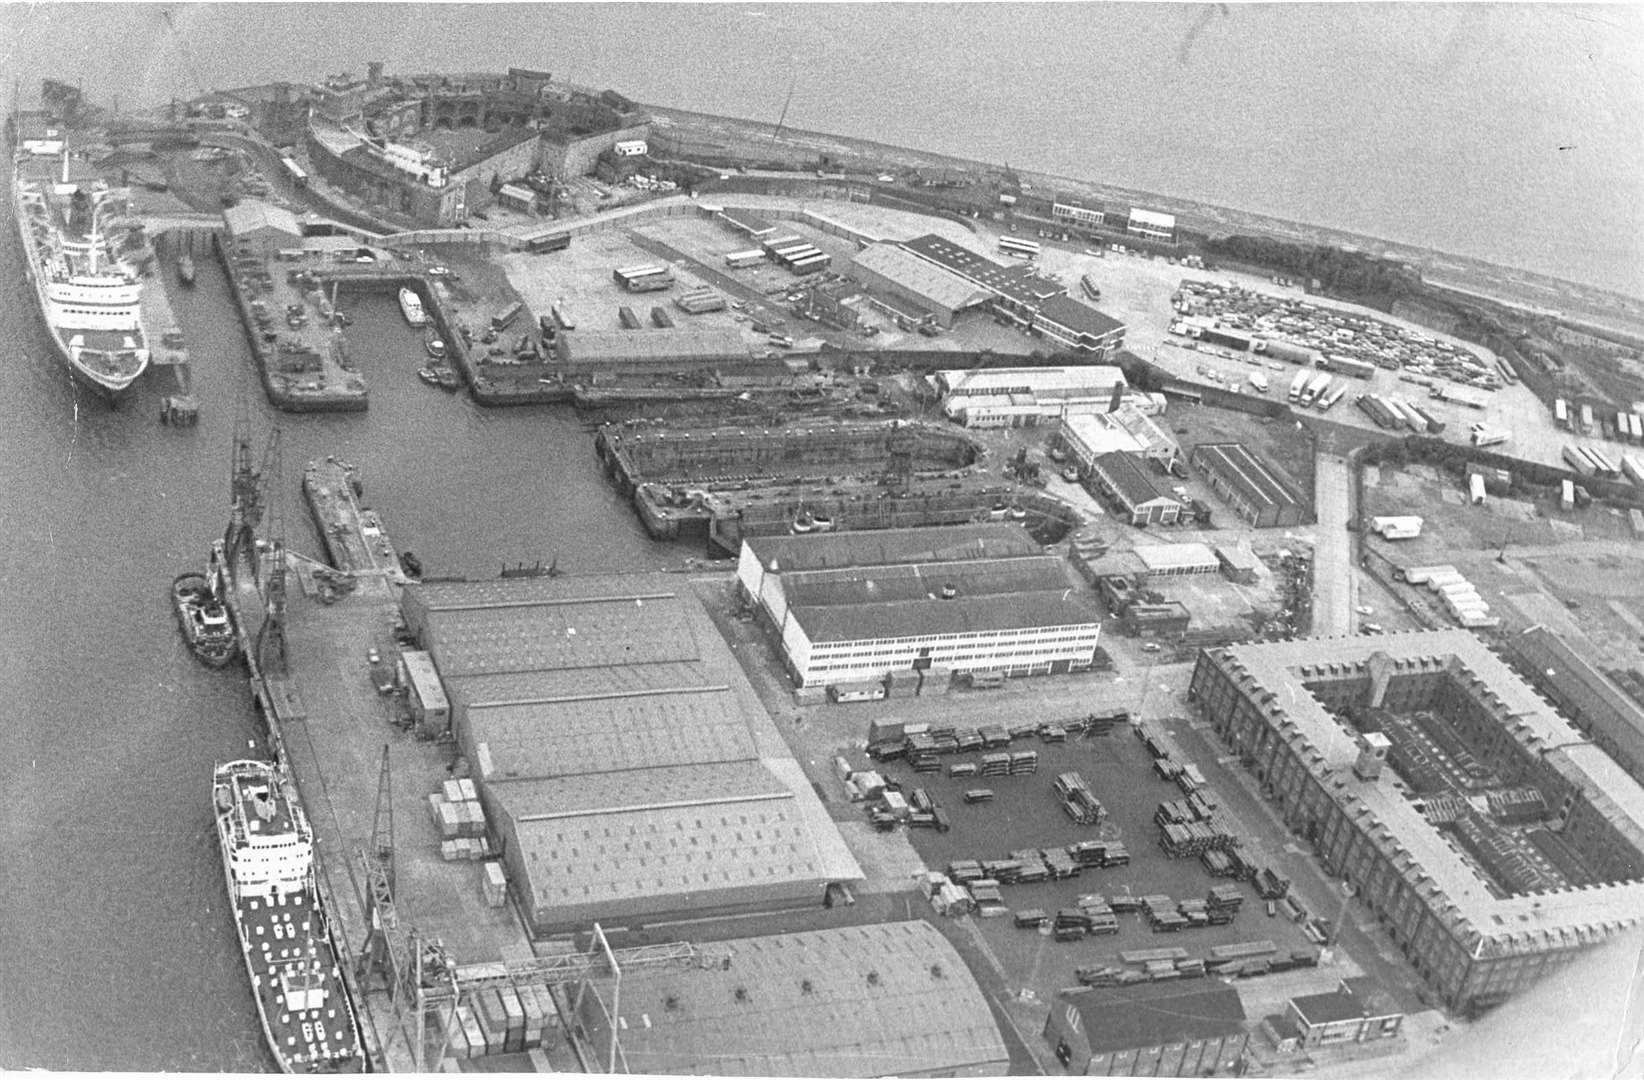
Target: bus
1022,249
298,176
552,242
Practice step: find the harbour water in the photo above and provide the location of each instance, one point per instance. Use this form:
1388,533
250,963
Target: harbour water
115,943
115,940
1508,132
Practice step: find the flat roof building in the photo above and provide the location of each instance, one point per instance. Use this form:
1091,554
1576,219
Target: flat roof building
1151,225
1176,560
1076,325
628,768
1250,488
883,999
1013,397
1153,1029
1504,844
848,607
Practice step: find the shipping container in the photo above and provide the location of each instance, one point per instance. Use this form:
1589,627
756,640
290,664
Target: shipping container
1606,465
1475,489
1561,413
661,319
1566,500
626,316
1412,419
1636,519
1634,468
1225,337
741,260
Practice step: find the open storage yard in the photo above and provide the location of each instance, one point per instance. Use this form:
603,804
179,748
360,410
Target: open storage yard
1575,571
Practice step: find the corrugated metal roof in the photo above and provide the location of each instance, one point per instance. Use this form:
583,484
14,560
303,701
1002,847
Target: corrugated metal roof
808,1007
1238,467
652,345
547,636
658,835
1156,1014
941,287
612,734
1126,477
252,214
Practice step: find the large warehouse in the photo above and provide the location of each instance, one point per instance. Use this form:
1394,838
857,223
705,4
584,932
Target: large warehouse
1157,1029
890,269
884,999
1487,835
1251,489
602,355
854,606
629,770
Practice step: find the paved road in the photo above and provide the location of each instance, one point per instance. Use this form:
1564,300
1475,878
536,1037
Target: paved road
1334,577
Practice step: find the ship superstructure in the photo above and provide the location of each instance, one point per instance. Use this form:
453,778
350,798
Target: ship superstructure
88,292
268,862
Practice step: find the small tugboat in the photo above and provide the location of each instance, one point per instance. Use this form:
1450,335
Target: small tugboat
185,268
204,620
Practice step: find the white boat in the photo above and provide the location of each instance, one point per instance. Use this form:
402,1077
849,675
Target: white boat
88,293
295,972
411,305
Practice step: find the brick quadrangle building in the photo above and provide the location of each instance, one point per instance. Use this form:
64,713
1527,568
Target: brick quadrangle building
1482,901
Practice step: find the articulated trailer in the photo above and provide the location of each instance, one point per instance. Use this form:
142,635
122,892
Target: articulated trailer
1317,385
1299,384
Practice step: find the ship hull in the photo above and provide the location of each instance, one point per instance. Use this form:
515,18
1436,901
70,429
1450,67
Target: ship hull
284,933
112,389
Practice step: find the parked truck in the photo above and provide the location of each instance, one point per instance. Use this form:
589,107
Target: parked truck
1578,461
1315,386
1484,435
1299,384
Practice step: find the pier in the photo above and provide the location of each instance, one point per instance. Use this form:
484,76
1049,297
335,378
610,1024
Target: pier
353,536
309,632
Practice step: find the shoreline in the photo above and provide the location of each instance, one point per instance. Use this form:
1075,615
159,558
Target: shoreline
1533,290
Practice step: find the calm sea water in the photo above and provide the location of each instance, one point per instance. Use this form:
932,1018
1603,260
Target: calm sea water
1426,124
116,946
1509,132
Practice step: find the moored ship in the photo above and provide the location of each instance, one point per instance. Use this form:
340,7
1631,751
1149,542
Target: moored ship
88,293
268,862
411,307
204,620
